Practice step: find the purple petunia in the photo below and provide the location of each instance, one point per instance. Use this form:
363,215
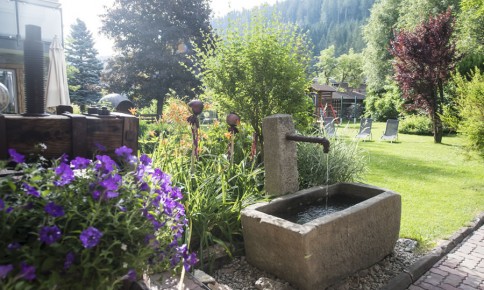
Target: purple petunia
30,190
69,260
131,275
27,272
13,246
16,157
65,174
145,160
100,147
96,194
105,164
4,270
2,204
80,163
124,151
54,210
49,235
111,182
90,237
111,194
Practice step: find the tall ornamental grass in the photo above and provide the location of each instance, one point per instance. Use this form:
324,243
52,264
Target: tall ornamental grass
345,162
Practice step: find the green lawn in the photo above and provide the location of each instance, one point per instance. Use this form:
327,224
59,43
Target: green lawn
441,190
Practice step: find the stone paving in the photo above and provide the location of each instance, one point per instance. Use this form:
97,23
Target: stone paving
462,268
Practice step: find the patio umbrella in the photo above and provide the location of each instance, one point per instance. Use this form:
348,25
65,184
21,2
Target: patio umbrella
57,91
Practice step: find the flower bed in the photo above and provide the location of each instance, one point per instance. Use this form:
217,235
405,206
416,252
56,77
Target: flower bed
88,224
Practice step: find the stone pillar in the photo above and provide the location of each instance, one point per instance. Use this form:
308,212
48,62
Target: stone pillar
280,159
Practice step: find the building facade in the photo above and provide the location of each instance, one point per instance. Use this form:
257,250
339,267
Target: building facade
14,16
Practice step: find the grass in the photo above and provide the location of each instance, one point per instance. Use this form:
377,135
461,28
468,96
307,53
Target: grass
441,189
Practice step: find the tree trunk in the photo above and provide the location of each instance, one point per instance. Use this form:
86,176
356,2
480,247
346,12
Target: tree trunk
437,124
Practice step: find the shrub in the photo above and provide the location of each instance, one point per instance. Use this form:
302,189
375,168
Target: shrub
88,224
471,109
217,189
385,106
345,162
416,124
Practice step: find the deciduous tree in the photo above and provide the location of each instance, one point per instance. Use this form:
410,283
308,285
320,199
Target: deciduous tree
424,59
152,37
258,72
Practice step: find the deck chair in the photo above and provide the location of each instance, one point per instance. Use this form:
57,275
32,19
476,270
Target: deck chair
365,128
391,131
329,129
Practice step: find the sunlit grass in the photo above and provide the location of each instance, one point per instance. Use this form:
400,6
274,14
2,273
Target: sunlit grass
441,189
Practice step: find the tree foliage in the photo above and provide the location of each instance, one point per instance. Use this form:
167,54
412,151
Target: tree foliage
470,105
84,78
258,71
347,68
424,59
327,22
152,38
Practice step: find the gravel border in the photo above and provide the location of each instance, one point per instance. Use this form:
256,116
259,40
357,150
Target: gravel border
397,271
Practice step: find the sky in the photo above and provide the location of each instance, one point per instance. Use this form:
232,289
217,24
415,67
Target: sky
89,11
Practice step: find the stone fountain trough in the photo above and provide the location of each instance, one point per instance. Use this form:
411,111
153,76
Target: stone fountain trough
320,252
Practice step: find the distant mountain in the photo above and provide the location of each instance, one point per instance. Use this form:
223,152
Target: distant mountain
326,22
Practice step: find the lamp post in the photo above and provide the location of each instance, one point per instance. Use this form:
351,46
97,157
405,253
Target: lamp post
196,106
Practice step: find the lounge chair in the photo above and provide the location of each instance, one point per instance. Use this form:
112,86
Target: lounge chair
391,131
329,129
365,128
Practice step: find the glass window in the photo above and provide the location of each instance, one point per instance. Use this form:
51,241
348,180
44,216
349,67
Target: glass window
7,78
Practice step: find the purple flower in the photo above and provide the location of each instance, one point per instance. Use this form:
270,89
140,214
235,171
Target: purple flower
4,270
131,276
144,187
54,210
96,194
50,235
124,152
65,173
176,193
80,163
2,204
69,260
30,190
90,237
27,272
16,157
100,147
145,160
111,194
112,182
105,164
190,261
13,246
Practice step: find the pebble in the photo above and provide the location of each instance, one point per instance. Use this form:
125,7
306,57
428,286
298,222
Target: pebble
240,275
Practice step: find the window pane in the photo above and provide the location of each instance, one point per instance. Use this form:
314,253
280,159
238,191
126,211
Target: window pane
7,77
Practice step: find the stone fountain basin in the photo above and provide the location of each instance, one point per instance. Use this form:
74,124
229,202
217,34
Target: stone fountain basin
320,252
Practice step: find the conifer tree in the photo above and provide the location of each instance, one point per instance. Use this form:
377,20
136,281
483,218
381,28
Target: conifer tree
81,55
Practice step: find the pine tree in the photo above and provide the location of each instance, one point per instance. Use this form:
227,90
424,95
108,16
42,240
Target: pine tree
81,54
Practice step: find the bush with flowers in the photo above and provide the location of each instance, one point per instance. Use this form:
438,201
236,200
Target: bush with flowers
88,224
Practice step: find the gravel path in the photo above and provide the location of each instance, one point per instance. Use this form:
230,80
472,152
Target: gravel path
239,275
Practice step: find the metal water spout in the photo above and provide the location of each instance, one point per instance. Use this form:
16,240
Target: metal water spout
300,138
